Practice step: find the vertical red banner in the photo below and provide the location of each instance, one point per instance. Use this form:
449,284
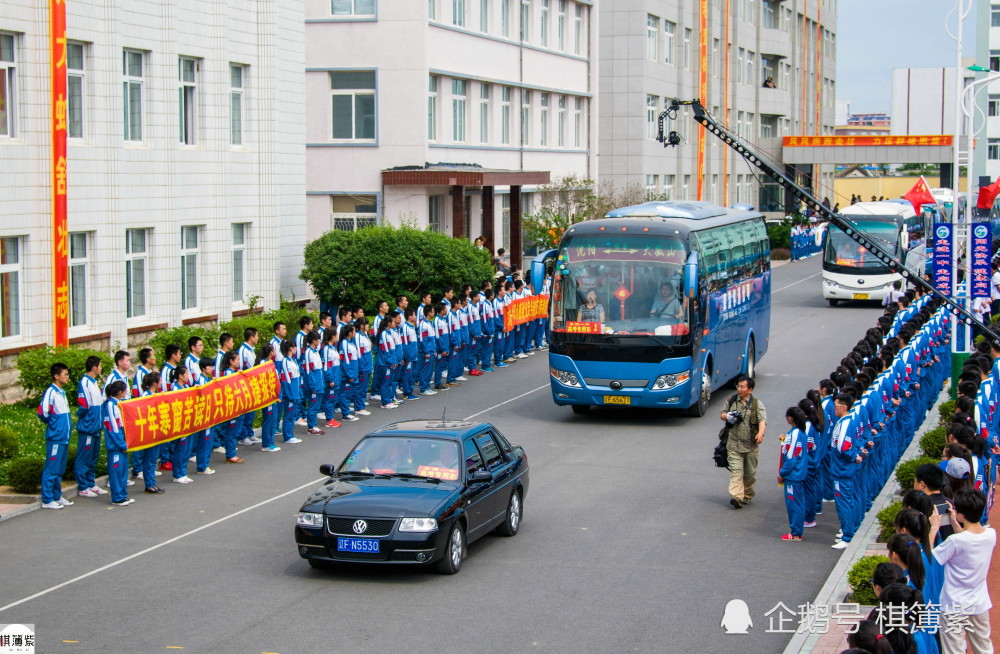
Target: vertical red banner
60,236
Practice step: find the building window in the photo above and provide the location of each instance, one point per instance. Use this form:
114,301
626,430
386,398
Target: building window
432,9
543,24
751,12
561,27
578,123
189,267
434,213
652,186
685,187
993,108
237,81
458,108
458,13
652,102
353,103
561,122
353,8
484,16
543,123
751,65
132,94
768,127
505,18
669,42
995,17
525,20
716,64
993,149
713,192
578,29
10,287
770,12
432,97
668,187
686,50
7,88
135,273
239,260
187,100
75,86
525,116
77,279
484,113
652,36
994,62
505,115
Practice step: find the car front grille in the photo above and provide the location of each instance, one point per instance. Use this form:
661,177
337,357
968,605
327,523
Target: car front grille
359,556
345,526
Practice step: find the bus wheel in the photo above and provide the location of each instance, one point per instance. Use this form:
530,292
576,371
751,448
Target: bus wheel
699,408
833,303
580,409
751,360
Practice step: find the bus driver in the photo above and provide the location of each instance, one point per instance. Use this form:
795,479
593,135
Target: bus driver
667,306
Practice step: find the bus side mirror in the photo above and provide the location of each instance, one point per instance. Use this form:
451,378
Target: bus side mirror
691,276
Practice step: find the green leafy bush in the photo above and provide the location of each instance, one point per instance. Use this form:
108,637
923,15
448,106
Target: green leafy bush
906,471
25,474
378,263
945,412
9,443
33,366
859,577
932,443
886,519
179,336
780,235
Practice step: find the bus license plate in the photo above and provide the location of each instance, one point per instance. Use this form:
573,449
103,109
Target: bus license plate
617,399
860,296
357,545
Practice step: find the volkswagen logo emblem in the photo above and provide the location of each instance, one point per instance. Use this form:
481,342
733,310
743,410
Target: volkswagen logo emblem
615,385
360,526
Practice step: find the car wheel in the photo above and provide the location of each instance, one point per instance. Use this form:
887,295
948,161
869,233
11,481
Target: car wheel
833,303
580,409
320,564
515,511
454,551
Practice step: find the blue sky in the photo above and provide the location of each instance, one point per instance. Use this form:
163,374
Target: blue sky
875,36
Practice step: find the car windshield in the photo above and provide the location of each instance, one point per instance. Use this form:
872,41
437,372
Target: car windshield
424,457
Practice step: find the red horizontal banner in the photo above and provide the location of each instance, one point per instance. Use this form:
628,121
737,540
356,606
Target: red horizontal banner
160,418
831,141
525,310
574,327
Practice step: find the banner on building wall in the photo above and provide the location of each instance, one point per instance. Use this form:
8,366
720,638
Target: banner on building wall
944,254
60,235
834,141
525,310
163,417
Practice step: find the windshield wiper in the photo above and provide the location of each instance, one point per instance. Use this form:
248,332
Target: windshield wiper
360,473
408,475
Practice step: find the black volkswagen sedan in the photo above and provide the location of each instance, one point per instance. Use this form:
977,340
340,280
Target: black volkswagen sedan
415,492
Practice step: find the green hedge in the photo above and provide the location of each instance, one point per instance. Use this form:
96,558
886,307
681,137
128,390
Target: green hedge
10,445
859,577
907,470
932,443
886,520
25,473
945,412
780,235
34,365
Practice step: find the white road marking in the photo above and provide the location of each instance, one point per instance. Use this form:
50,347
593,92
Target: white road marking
798,282
158,546
507,402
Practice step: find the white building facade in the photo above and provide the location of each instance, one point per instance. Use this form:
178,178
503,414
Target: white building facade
445,114
186,165
655,50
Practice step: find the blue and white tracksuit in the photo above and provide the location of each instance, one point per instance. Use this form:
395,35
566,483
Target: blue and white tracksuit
387,358
145,460
248,357
202,441
843,470
331,380
88,431
428,353
54,412
181,451
291,395
349,356
411,358
365,363
312,384
114,443
443,344
793,472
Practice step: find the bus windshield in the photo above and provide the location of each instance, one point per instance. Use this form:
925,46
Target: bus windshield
842,251
622,285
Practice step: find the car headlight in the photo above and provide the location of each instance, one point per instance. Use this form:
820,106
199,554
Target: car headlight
671,380
565,378
418,524
309,519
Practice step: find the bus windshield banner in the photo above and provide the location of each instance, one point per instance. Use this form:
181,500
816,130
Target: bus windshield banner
981,244
625,248
163,417
525,310
943,258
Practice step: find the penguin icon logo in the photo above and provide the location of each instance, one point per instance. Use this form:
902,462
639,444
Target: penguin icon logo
736,619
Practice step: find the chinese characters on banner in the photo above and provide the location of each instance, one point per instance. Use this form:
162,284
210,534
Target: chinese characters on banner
981,244
574,327
943,256
163,417
525,310
832,141
60,237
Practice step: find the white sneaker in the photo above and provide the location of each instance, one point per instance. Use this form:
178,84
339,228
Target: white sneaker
86,492
363,412
183,480
388,406
294,440
193,459
64,501
245,441
301,422
840,545
350,418
52,505
840,534
254,440
376,396
273,448
429,391
129,482
98,490
220,449
522,355
399,391
461,378
207,471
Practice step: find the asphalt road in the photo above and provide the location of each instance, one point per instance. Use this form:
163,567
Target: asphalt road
628,541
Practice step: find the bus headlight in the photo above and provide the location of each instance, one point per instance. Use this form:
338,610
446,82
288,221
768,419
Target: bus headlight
831,283
565,378
671,380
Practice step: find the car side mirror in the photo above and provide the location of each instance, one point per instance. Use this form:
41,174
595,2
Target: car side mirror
480,476
327,469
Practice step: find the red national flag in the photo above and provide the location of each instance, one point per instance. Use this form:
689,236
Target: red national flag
987,194
919,195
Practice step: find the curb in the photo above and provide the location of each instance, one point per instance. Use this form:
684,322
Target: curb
836,584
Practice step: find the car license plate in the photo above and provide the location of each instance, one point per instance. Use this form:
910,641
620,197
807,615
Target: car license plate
617,399
860,296
357,545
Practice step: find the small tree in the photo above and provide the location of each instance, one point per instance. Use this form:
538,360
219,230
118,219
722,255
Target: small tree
378,263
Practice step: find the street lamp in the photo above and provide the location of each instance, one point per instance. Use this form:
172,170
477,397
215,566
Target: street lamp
968,107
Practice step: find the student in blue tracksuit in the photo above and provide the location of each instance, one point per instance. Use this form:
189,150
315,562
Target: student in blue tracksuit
88,429
193,359
427,338
202,440
411,354
793,471
147,364
123,361
827,390
349,356
248,357
291,390
475,334
305,326
364,345
171,359
845,460
182,446
114,443
331,375
280,330
230,429
145,459
484,350
454,355
269,413
814,437
54,412
313,386
500,337
442,336
387,356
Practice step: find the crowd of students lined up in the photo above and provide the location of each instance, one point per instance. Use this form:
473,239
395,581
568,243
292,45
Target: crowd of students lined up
844,441
400,355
